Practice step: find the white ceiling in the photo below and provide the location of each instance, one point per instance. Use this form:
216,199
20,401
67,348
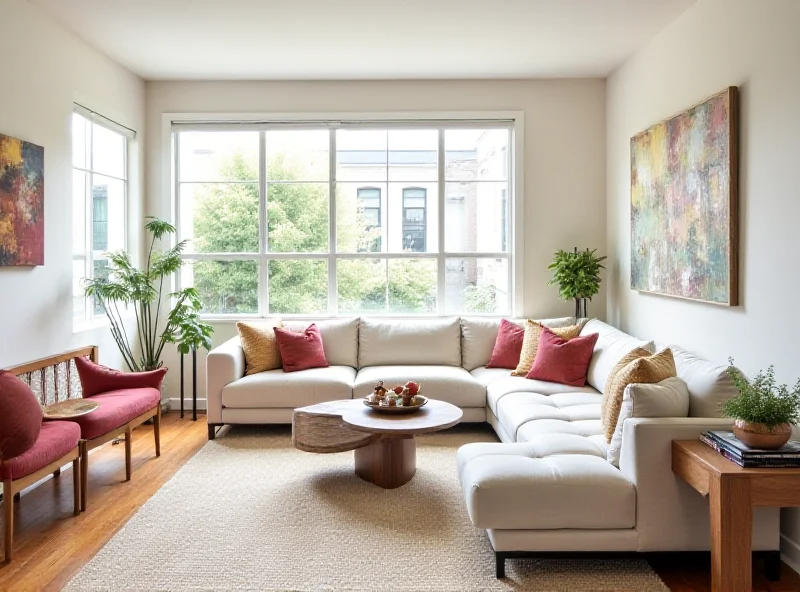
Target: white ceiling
366,39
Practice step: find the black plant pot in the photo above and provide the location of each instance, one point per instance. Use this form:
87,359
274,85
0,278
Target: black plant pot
581,308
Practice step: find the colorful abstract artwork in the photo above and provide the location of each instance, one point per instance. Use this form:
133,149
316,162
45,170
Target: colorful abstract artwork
21,202
684,193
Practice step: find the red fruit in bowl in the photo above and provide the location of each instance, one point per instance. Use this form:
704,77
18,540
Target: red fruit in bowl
413,387
398,390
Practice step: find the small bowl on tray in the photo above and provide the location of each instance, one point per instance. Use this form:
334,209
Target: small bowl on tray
397,410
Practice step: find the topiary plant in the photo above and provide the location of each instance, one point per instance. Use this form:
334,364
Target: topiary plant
762,400
577,275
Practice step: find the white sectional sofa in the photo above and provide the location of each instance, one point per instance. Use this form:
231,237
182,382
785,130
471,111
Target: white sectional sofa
549,485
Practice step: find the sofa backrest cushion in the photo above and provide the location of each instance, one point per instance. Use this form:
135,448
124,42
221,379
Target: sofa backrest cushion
708,383
478,336
339,339
423,342
612,344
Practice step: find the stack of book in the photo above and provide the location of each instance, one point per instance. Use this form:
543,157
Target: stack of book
726,444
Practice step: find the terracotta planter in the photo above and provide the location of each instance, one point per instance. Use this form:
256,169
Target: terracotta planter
760,435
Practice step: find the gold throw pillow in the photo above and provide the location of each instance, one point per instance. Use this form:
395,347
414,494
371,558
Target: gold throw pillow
260,345
632,355
647,370
530,343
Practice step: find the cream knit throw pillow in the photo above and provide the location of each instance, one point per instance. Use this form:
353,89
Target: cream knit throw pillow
645,369
530,343
260,345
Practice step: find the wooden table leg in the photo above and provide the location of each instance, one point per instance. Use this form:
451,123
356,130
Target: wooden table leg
731,534
389,463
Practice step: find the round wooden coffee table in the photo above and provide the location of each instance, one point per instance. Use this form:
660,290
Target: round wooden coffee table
384,445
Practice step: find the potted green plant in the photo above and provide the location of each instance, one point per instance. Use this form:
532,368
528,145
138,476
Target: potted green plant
578,277
142,290
764,411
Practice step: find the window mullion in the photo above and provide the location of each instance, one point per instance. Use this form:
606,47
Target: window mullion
263,239
440,260
88,218
333,288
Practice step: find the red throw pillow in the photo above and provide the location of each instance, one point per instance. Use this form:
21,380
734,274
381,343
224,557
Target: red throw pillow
507,346
301,351
97,379
20,416
558,360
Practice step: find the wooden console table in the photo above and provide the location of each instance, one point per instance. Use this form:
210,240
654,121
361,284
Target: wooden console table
733,492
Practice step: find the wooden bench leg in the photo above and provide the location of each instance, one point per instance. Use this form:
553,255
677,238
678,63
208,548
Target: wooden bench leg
77,476
84,472
8,507
157,430
128,434
57,473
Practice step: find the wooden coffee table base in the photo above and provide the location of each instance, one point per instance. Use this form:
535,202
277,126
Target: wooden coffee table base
389,462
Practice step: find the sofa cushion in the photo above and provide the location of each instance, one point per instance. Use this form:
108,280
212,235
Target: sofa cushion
116,409
279,389
507,346
410,342
502,386
339,339
562,360
541,486
446,383
524,415
486,375
611,345
530,343
56,439
708,383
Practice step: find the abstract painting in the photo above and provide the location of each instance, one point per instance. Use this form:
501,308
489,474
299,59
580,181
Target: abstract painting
21,202
684,193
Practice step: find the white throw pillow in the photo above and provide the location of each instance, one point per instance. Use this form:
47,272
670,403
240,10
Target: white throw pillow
708,383
668,398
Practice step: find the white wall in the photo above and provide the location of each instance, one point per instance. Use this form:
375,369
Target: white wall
715,44
564,151
45,69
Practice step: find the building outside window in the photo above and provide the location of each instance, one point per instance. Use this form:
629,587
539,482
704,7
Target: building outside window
341,219
99,201
414,219
369,208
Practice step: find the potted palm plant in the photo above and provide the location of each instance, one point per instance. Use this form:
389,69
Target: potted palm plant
764,411
142,290
578,277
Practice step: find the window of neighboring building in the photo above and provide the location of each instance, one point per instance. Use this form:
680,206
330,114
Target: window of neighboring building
99,201
369,208
414,219
342,218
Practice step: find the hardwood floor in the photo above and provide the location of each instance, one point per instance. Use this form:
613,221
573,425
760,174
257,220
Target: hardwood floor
51,545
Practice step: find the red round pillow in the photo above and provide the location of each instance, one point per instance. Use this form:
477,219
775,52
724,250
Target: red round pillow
20,416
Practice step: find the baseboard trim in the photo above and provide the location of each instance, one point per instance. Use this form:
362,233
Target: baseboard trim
175,404
790,553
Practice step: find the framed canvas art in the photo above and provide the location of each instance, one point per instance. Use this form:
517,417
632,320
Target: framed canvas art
21,203
684,194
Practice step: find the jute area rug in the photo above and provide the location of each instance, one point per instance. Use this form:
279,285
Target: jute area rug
249,512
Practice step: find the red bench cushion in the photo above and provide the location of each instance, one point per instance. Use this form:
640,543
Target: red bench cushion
97,379
116,409
56,439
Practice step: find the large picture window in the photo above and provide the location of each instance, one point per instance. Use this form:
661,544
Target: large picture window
99,202
330,219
